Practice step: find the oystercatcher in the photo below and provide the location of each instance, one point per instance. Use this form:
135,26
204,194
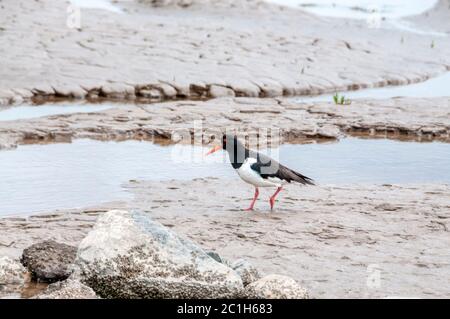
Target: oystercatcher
258,169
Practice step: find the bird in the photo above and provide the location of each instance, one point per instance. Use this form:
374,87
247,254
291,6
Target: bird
258,169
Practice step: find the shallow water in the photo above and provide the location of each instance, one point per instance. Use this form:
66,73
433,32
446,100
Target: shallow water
435,87
30,289
33,111
386,14
96,4
361,9
37,178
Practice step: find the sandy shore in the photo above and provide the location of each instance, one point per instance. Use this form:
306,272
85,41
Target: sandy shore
211,48
329,238
418,119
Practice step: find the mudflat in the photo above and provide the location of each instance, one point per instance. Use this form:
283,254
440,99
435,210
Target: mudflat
205,48
403,118
333,239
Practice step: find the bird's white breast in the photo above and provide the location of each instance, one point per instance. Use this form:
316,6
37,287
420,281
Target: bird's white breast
248,175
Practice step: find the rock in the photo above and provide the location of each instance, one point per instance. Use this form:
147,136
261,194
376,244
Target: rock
215,256
128,255
168,90
70,91
11,272
118,90
164,3
43,89
68,289
244,88
220,91
6,94
150,93
49,261
26,94
275,287
7,143
246,270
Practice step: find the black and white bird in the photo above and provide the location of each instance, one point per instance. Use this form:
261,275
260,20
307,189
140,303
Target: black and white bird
258,169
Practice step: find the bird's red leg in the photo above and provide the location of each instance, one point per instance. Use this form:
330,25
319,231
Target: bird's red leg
272,198
254,199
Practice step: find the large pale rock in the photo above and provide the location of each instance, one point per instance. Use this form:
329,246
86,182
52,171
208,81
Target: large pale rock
49,261
246,270
128,255
68,289
11,272
275,287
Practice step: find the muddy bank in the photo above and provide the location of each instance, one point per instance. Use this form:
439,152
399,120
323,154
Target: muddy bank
326,237
418,119
204,49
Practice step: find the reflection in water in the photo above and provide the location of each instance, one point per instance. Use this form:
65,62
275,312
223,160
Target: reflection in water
28,290
37,178
434,87
32,289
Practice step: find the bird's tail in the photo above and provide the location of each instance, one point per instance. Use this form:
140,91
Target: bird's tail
304,179
292,176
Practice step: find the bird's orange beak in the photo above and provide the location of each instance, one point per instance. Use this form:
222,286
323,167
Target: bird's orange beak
214,149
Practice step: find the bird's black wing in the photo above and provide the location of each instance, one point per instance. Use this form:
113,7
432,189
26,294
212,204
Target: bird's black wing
267,167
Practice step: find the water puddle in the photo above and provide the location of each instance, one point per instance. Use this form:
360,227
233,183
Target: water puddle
96,4
387,14
30,289
38,178
13,113
361,9
434,87
408,26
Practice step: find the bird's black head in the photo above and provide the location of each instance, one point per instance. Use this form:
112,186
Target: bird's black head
224,141
229,142
231,139
236,150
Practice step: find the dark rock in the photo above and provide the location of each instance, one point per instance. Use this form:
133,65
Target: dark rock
49,261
